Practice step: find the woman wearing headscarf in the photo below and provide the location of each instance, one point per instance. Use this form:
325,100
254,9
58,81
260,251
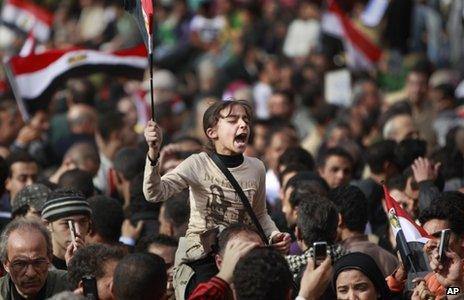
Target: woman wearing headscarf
357,276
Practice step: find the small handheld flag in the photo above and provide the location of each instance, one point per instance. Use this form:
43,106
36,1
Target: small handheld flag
143,13
410,237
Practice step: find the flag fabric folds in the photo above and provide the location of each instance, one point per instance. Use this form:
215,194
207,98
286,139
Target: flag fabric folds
27,17
361,52
401,221
34,78
143,13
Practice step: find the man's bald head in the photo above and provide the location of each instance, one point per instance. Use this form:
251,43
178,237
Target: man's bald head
84,156
400,127
82,119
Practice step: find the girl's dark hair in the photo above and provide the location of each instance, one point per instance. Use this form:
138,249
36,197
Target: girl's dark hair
213,113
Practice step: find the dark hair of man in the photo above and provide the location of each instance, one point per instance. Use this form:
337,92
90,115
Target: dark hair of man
229,232
262,274
278,126
380,153
352,205
144,243
408,150
297,155
137,199
18,156
294,167
288,94
423,66
78,180
177,209
81,90
140,276
311,179
317,220
335,151
448,206
110,122
302,191
129,162
447,91
451,159
256,123
107,218
325,113
397,182
4,170
90,260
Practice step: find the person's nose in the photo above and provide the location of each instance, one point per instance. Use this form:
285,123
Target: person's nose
30,271
29,180
352,295
242,123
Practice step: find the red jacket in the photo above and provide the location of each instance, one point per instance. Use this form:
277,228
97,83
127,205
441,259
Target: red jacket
214,289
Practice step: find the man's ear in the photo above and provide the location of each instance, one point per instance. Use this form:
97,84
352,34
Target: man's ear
8,184
48,225
218,261
320,170
113,293
5,266
211,133
340,220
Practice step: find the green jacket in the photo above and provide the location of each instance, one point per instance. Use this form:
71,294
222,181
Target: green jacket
56,283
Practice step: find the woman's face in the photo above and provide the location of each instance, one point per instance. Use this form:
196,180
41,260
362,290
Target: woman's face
354,285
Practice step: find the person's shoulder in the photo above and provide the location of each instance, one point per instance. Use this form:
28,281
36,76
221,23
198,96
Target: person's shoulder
57,274
4,286
57,281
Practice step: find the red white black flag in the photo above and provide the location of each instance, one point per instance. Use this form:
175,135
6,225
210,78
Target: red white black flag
402,221
143,13
361,52
28,17
35,77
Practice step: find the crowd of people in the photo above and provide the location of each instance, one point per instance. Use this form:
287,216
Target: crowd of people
98,199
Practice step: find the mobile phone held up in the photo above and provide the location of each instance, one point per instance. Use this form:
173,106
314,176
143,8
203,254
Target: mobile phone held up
444,242
90,287
320,252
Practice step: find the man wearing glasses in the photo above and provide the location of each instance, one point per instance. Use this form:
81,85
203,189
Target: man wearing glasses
26,252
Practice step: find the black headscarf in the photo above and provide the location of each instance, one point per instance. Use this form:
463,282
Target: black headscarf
366,265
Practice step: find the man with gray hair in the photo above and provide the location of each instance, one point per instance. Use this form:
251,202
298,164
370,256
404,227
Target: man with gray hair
26,252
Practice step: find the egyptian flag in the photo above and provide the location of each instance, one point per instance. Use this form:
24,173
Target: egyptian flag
361,52
143,13
35,77
28,17
410,237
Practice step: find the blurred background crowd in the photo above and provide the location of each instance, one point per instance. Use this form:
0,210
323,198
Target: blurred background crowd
327,113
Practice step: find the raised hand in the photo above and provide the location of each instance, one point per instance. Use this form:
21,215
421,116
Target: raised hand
154,137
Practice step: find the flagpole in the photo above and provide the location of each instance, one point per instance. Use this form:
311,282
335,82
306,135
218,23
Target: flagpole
14,87
152,100
151,41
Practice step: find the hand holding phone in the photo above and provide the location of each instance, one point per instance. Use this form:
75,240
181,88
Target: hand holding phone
444,243
320,252
90,287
